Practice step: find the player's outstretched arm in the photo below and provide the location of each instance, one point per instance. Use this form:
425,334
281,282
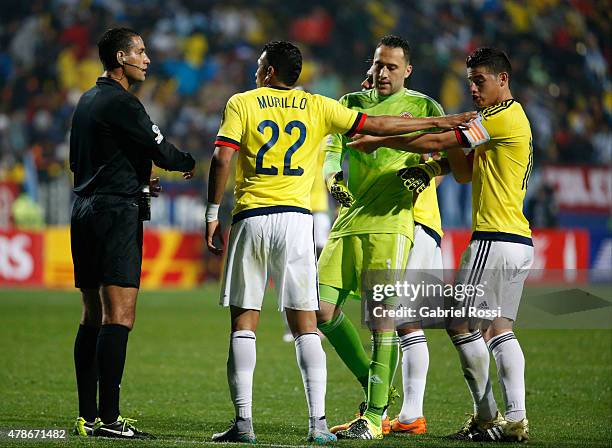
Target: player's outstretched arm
220,167
393,125
460,165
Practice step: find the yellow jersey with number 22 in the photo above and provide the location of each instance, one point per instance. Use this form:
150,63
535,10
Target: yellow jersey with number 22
278,132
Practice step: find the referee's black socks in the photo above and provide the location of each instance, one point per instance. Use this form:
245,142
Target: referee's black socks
111,350
86,371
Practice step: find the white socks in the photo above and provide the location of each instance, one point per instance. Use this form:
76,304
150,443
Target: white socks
511,373
311,361
240,368
415,362
474,358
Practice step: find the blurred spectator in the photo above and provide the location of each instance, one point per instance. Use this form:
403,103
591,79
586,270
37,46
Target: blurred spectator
201,54
27,214
541,209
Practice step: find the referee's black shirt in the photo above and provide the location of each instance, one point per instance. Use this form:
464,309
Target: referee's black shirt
113,143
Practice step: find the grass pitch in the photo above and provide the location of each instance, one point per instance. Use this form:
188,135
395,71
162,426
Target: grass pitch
175,383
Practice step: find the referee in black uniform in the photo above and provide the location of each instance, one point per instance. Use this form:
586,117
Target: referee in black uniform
113,144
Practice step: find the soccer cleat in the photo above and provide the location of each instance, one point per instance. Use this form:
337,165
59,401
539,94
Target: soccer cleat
391,398
503,432
344,426
474,425
235,434
83,428
123,428
419,426
386,425
361,428
321,437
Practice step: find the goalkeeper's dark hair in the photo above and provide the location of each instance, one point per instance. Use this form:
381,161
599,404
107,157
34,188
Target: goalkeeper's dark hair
396,42
494,60
112,41
286,59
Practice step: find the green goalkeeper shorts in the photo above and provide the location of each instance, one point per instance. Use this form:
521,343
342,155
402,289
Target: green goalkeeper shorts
349,262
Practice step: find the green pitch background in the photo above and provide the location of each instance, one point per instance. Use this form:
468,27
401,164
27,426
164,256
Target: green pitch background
175,383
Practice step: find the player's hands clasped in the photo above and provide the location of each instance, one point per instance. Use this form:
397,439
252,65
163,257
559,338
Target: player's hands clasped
338,190
453,121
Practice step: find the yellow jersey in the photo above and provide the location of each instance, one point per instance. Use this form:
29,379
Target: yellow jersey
427,211
278,132
318,194
501,170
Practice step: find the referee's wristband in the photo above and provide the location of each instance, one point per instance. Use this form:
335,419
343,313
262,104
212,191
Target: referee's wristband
212,212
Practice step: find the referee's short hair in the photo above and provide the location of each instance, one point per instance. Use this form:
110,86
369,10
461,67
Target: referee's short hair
286,59
112,41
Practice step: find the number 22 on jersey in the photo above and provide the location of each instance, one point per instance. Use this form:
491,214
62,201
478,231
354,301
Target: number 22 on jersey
289,128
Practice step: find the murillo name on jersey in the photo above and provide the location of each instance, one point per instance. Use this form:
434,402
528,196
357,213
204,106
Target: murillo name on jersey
286,103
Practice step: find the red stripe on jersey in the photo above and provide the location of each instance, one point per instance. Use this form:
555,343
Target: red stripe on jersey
359,122
222,141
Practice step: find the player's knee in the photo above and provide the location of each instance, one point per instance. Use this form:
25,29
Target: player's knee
326,312
123,316
91,318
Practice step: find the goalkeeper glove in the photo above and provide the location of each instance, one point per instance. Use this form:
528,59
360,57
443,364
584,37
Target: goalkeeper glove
416,178
338,189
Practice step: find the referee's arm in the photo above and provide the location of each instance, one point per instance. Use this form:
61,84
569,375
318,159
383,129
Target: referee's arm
132,118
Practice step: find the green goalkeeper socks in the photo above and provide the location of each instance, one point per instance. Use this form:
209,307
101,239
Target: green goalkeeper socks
384,345
394,360
344,337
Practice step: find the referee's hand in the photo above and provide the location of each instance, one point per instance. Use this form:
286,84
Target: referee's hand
214,232
154,187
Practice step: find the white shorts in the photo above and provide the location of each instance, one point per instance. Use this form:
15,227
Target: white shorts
424,266
322,226
279,246
425,253
498,270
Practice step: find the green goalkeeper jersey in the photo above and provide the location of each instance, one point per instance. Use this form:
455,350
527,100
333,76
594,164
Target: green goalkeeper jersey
381,202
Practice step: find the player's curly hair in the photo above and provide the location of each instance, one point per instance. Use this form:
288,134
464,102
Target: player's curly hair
496,61
393,41
112,41
286,59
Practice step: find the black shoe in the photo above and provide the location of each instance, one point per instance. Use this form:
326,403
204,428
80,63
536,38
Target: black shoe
123,428
474,425
503,432
361,428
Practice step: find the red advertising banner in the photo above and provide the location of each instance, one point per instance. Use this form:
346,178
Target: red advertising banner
175,259
21,258
581,188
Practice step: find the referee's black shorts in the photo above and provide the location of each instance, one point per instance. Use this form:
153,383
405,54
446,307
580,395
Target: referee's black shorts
106,241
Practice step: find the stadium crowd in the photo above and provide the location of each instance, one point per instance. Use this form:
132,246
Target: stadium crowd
202,52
